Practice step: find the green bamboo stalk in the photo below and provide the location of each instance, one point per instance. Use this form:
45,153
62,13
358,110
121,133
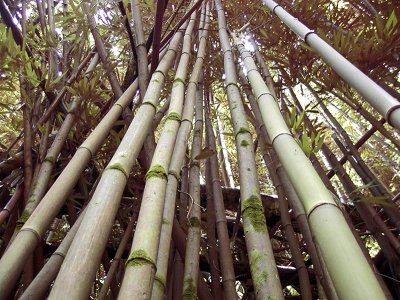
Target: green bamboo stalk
141,264
343,256
262,264
272,162
89,242
383,102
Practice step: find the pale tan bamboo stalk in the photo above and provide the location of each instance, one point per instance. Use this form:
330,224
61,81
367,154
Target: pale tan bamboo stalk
83,258
191,270
35,227
117,258
42,282
101,49
262,264
225,154
141,51
225,255
141,264
174,171
321,209
42,181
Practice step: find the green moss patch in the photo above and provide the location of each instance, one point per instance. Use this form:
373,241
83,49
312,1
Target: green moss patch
157,171
139,258
117,166
174,117
243,130
253,210
189,291
177,81
194,222
49,159
244,143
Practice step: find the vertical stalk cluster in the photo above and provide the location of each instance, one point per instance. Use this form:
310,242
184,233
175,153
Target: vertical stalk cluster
319,206
262,264
141,264
93,233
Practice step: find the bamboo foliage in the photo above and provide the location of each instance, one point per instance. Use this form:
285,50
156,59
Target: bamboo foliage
317,201
382,101
261,258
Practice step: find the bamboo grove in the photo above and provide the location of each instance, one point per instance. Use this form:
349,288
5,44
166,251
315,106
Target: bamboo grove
199,149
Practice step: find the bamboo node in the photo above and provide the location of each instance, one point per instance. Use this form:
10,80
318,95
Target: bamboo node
157,171
173,116
242,130
139,258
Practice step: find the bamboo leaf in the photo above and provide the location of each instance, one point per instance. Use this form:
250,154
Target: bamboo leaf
204,154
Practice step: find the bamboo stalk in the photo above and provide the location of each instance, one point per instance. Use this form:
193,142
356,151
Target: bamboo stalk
383,102
272,164
319,206
117,258
212,246
174,170
35,227
43,178
101,49
191,269
142,260
225,255
89,242
262,264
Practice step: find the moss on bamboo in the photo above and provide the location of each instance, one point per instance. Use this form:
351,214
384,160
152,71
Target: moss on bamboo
139,258
258,275
165,221
189,291
178,81
194,222
244,143
243,130
119,167
253,210
157,171
174,117
49,159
